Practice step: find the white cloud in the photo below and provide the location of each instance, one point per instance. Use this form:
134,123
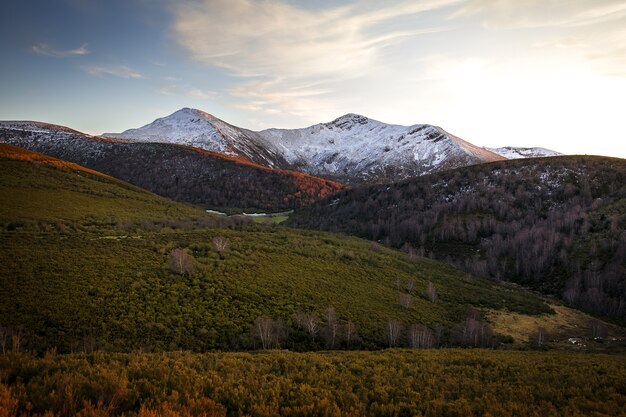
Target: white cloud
176,90
47,50
120,71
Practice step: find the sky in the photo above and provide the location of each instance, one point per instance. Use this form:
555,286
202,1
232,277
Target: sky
548,73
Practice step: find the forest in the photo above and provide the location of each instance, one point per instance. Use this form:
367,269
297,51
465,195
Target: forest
554,224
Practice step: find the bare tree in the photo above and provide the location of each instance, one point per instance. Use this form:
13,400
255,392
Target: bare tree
349,333
263,330
431,293
406,300
539,338
307,321
331,330
17,338
220,244
4,338
421,336
410,285
394,328
181,262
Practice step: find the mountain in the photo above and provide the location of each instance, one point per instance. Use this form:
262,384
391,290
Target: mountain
201,130
511,152
351,149
555,224
179,172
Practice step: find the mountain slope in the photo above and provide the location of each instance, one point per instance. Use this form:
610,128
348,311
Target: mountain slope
351,149
511,152
178,172
39,188
556,224
98,281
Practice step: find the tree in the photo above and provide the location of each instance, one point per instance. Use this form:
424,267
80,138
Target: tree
307,321
421,336
4,337
220,244
17,338
431,293
394,328
539,338
410,285
181,262
349,333
331,330
263,330
405,300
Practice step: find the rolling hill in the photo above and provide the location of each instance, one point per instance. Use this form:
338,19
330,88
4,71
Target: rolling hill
115,285
178,172
39,188
555,224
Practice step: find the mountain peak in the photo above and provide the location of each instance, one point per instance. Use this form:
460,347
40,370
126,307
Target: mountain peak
348,120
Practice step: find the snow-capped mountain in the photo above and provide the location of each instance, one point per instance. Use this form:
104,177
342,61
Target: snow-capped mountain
351,149
511,152
202,130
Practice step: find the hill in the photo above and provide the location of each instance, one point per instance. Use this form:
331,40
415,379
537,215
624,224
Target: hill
136,280
351,149
555,224
39,188
178,172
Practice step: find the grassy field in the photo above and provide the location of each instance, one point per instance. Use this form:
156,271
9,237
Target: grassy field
446,382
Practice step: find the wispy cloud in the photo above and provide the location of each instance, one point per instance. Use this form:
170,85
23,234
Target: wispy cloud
279,49
47,50
120,71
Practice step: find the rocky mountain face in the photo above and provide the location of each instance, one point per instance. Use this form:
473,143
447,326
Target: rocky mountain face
352,149
512,152
179,172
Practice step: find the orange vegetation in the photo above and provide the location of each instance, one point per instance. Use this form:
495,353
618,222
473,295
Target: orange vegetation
19,154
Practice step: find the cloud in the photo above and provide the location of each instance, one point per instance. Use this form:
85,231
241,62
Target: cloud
277,51
47,50
120,71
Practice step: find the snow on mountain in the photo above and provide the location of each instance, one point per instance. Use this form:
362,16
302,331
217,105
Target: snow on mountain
511,152
355,148
202,130
352,148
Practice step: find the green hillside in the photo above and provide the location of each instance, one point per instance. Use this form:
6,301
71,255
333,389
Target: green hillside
38,188
112,286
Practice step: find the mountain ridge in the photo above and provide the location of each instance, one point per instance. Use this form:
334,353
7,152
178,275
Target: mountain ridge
352,148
